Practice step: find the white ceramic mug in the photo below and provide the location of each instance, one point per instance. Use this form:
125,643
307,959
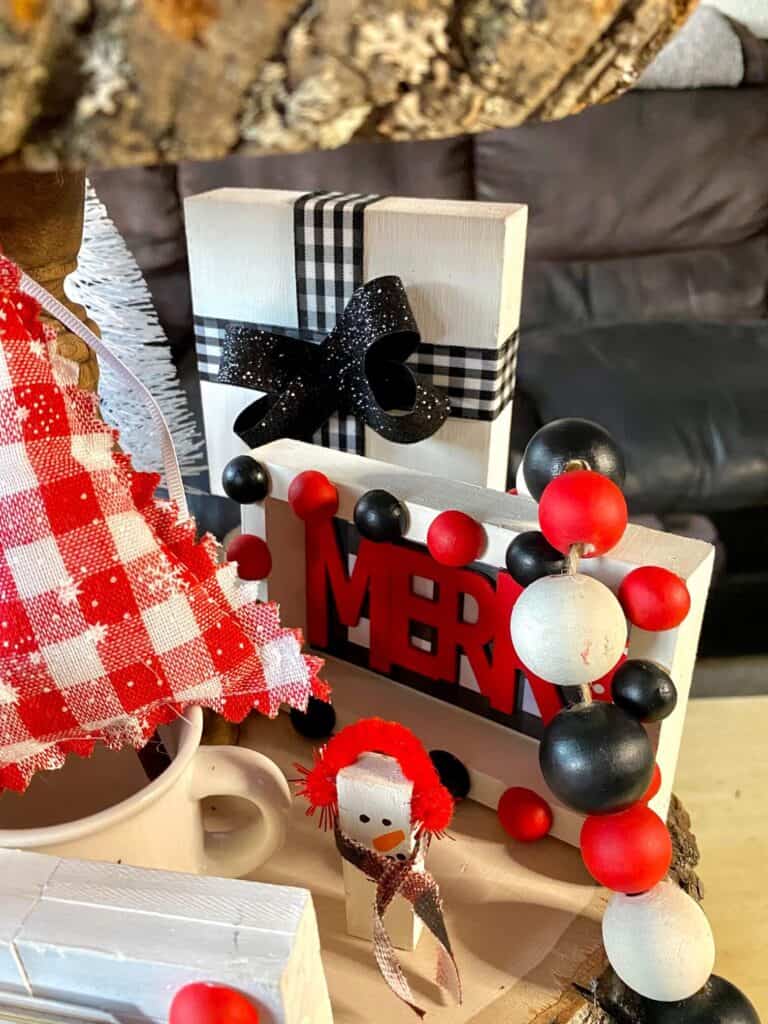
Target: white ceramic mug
155,824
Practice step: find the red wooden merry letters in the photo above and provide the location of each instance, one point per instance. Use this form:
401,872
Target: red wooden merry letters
385,574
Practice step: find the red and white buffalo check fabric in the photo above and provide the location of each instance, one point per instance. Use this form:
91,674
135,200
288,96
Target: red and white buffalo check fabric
113,617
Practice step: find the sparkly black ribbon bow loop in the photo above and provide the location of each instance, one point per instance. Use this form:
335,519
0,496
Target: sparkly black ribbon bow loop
359,369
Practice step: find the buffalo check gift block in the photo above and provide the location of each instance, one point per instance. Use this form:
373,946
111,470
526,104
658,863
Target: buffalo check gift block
113,616
267,263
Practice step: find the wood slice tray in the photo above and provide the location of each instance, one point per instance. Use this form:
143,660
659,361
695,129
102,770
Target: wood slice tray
524,920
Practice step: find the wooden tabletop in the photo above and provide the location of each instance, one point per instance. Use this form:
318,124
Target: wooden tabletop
722,780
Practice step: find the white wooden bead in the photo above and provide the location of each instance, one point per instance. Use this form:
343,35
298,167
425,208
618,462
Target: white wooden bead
569,630
659,943
520,485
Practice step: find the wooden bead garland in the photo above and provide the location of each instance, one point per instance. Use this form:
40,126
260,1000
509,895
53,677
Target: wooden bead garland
718,1002
568,629
628,852
659,943
530,557
520,485
245,480
582,507
380,517
654,787
317,722
453,773
596,757
312,496
524,815
654,598
455,539
644,690
253,557
205,1003
563,444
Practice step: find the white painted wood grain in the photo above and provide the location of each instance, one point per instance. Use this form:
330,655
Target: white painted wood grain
497,757
126,939
462,266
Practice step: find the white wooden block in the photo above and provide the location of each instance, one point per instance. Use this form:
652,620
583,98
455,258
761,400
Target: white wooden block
124,940
26,1010
22,880
375,810
462,267
499,750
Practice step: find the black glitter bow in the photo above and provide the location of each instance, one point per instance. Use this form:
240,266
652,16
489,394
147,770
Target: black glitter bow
358,369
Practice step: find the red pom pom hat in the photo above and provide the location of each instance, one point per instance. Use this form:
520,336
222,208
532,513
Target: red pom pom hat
431,803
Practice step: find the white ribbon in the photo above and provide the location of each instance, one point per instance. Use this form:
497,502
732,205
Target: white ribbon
68,319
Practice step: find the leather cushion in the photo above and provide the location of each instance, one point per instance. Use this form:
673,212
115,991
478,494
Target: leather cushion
441,169
725,283
686,401
650,172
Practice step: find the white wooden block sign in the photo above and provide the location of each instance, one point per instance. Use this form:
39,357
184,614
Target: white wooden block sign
251,254
375,810
428,646
124,940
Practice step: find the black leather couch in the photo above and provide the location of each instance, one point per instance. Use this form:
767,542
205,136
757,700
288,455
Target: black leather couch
646,286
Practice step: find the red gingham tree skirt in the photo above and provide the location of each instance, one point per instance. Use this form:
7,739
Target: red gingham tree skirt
113,617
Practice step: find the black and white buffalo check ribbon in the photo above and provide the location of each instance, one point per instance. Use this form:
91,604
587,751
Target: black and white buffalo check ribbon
328,255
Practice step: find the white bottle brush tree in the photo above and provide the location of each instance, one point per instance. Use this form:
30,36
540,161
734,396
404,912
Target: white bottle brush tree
110,285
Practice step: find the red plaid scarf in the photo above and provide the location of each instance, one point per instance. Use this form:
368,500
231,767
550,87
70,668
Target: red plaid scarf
394,878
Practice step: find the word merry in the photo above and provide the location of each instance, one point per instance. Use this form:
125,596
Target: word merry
384,576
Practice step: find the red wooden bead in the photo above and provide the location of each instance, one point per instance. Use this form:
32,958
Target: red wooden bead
524,815
253,557
654,598
205,1003
455,539
312,496
654,787
583,507
628,852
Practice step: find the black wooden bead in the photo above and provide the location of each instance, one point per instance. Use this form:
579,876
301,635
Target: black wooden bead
245,480
719,1002
644,690
317,722
596,758
562,441
453,773
379,516
530,556
616,998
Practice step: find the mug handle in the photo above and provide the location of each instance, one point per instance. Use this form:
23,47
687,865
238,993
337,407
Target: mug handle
239,772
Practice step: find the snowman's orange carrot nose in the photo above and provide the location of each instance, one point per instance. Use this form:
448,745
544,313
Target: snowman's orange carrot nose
388,841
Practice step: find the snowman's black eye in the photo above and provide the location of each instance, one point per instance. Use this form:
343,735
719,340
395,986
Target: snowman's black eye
401,856
386,821
364,818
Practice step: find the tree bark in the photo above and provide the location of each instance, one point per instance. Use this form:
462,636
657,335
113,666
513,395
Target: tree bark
115,82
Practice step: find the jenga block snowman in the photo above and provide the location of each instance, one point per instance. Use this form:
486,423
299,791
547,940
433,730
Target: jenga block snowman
375,810
423,637
379,788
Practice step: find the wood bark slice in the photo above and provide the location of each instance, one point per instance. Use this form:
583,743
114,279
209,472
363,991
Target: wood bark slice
115,82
